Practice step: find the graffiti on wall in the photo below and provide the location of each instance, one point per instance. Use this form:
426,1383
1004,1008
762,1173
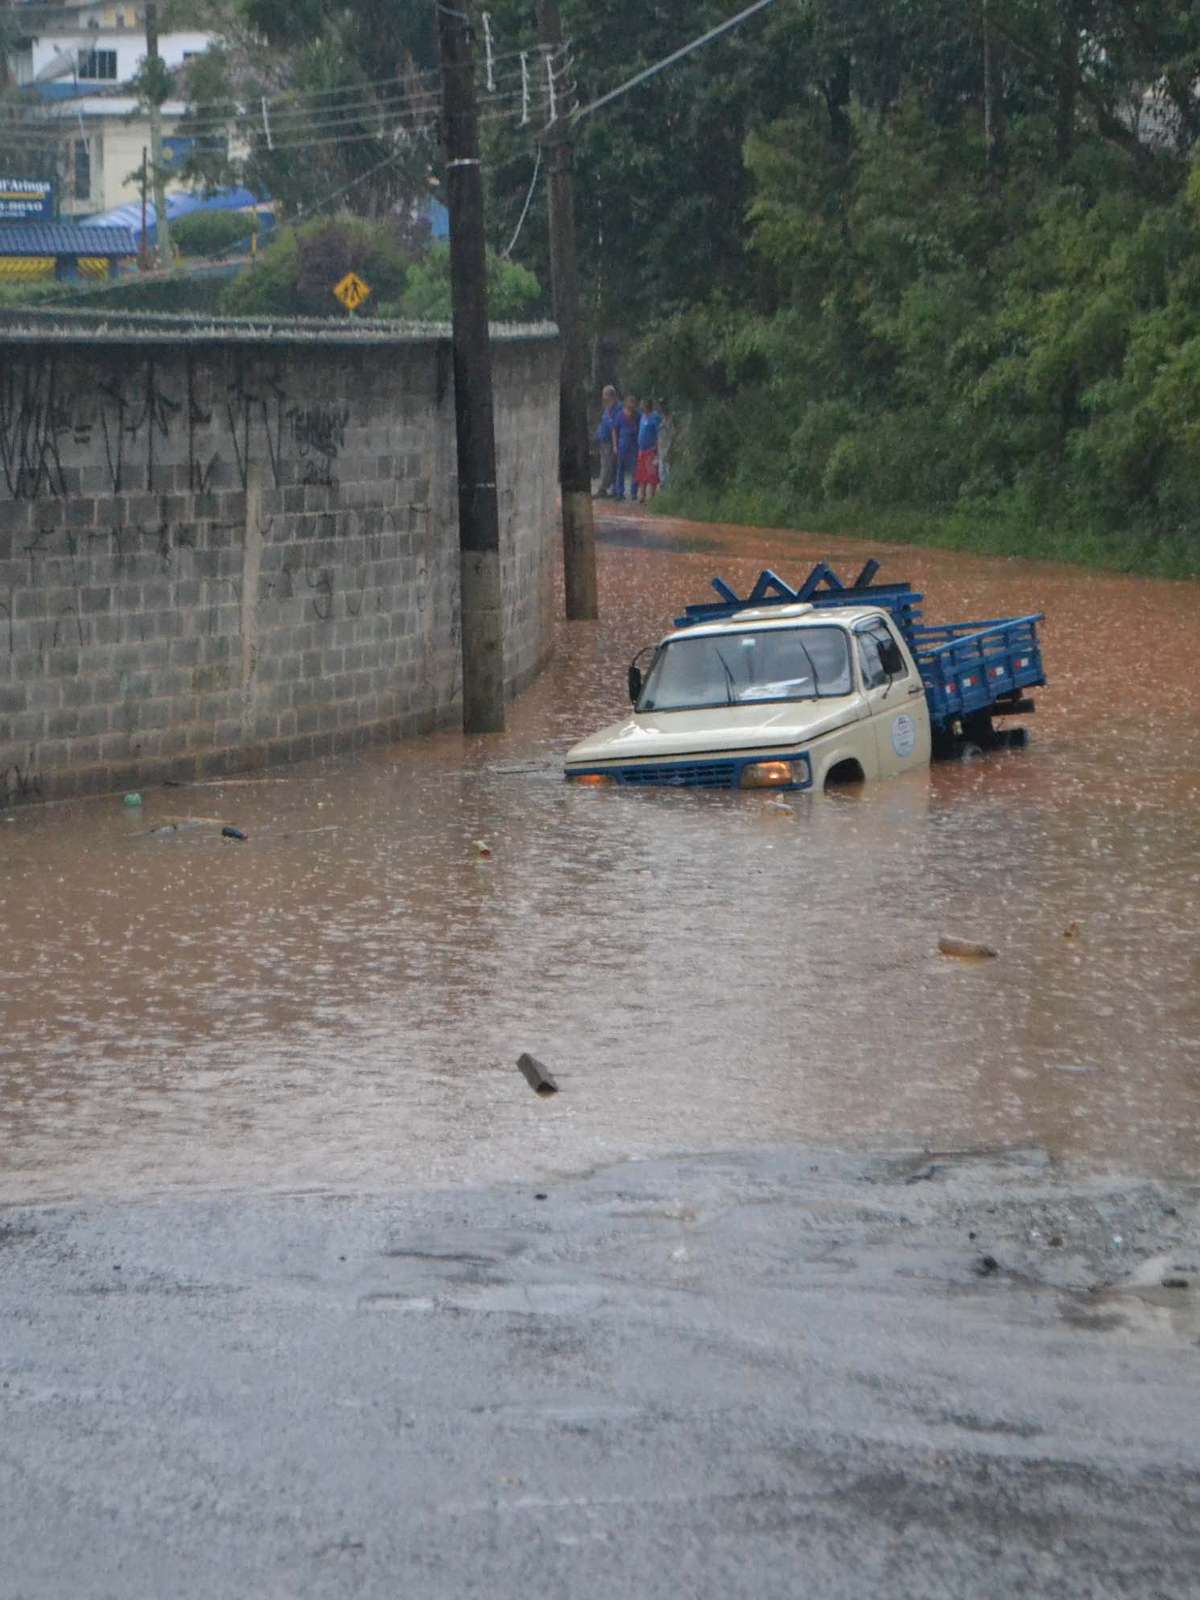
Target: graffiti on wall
144,425
318,434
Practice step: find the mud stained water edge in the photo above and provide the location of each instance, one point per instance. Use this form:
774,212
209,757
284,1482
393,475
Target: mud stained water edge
341,1000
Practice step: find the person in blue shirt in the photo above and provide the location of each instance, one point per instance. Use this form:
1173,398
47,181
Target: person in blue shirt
610,407
625,442
646,472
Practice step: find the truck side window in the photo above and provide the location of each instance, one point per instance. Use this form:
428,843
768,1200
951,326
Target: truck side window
869,641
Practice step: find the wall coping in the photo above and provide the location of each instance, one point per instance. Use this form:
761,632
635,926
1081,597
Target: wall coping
21,326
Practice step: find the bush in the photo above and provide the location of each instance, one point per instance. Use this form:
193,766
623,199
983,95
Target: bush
514,293
296,274
212,233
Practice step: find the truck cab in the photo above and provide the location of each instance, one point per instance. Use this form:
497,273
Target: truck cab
779,696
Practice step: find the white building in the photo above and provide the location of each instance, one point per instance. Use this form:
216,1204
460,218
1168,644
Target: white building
92,53
104,141
74,66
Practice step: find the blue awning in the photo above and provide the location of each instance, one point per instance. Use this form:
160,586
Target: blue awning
64,239
178,205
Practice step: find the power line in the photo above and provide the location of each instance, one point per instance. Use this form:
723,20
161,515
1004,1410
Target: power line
286,132
294,120
537,167
337,194
380,135
667,61
291,114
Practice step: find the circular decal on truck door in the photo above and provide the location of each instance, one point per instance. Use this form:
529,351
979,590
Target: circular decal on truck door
904,735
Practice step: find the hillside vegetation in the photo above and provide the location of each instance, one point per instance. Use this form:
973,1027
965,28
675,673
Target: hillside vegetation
927,267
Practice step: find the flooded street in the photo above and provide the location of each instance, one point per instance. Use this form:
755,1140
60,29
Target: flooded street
340,1001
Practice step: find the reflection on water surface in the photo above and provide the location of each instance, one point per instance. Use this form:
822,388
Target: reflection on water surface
341,1000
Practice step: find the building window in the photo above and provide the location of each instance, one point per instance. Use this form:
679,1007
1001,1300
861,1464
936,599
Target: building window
98,66
83,170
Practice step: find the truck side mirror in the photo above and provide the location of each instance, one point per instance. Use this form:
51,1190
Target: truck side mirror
635,684
890,658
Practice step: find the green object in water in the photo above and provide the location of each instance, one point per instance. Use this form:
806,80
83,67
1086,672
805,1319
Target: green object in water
133,799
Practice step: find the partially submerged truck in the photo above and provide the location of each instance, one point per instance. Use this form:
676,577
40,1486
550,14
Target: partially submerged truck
805,688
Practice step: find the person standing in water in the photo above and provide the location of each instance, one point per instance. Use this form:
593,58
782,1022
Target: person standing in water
646,473
625,442
610,407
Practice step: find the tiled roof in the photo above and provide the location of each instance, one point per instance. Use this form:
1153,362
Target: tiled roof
63,239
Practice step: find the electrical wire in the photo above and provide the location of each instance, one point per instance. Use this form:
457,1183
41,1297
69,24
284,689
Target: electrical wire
336,194
318,118
289,120
284,133
676,55
537,168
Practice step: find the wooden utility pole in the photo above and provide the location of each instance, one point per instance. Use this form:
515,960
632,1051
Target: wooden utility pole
574,443
155,73
478,509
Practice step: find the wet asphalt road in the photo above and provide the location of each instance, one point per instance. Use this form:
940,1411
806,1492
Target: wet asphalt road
759,1374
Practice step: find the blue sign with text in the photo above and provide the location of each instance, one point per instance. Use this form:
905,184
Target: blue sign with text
26,199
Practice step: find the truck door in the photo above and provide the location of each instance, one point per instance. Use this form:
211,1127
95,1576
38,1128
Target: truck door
896,702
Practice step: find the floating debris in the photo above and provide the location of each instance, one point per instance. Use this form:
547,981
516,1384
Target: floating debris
536,1075
966,949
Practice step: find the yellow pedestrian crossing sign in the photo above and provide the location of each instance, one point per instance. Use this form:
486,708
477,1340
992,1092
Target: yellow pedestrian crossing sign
352,291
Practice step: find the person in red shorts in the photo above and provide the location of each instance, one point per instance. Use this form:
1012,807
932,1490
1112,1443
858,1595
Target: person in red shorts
646,472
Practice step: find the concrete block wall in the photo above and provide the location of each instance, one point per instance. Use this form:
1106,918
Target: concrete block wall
226,551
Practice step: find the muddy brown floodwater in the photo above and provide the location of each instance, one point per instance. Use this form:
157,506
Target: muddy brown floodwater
340,1001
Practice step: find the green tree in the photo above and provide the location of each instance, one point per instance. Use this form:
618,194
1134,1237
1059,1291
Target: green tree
514,294
977,328
327,99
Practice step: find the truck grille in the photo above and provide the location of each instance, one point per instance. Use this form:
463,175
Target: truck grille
692,774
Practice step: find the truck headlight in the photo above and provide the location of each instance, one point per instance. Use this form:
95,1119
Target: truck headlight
589,777
768,775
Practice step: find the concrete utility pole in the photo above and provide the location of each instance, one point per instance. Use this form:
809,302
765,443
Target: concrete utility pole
154,84
144,253
478,509
574,443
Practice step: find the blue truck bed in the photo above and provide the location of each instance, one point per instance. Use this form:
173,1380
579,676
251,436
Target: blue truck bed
970,667
971,670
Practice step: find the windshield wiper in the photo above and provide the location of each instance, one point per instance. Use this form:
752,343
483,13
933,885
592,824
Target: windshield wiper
729,686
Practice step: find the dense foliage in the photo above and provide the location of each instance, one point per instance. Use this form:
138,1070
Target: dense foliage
296,274
514,294
338,78
928,262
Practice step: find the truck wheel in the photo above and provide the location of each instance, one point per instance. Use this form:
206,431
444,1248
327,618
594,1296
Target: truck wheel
843,774
968,750
978,730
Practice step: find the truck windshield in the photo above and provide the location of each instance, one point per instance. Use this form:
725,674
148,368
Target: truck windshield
727,669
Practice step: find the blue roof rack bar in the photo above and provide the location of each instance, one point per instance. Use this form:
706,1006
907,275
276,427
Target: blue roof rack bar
821,588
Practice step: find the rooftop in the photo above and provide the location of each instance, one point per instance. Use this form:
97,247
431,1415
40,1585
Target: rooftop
64,239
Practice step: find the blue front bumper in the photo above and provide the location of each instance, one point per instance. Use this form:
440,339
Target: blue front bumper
720,772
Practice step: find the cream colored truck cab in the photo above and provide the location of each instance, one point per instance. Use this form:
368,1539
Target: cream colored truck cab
779,697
